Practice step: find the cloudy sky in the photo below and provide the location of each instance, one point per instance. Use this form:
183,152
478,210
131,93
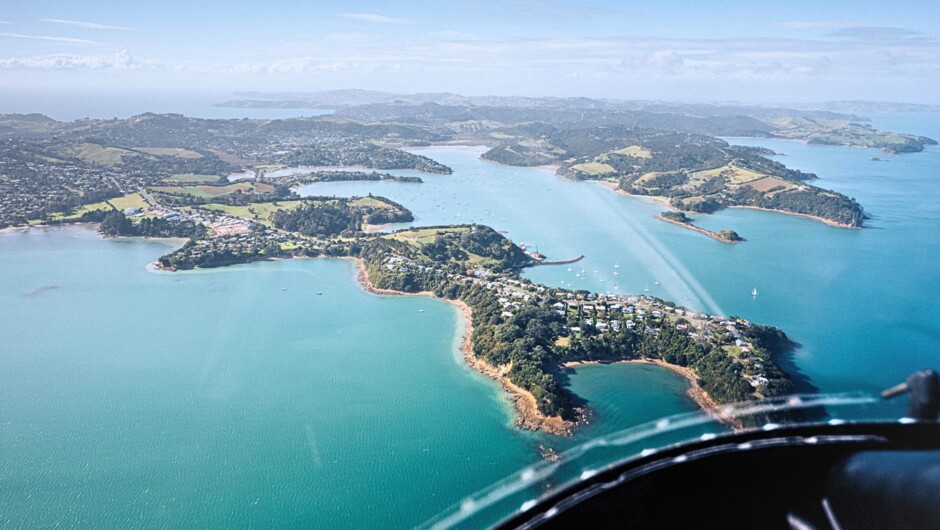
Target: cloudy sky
792,51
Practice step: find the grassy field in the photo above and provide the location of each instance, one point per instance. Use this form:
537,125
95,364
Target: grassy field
423,235
131,200
593,168
190,178
259,211
99,155
635,151
231,158
206,192
374,203
767,183
733,174
649,176
170,151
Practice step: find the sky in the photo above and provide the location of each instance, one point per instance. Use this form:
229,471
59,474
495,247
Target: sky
794,51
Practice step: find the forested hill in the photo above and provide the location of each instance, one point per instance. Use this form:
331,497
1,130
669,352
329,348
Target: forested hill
695,172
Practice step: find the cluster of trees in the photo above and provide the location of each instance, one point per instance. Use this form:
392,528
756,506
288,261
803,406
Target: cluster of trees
678,217
115,223
728,235
236,198
364,154
320,219
340,176
218,256
809,201
328,217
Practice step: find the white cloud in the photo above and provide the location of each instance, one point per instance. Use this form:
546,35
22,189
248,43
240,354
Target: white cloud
121,60
866,33
48,38
371,17
816,24
81,24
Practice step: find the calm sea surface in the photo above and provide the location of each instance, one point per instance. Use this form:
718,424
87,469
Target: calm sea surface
239,397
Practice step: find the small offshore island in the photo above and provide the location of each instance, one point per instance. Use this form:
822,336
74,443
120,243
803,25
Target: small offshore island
681,219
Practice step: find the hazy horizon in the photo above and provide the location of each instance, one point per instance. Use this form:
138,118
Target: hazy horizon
795,53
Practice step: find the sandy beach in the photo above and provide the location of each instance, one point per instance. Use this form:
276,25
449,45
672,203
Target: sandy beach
808,216
663,201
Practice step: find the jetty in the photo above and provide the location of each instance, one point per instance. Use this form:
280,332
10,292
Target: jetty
536,262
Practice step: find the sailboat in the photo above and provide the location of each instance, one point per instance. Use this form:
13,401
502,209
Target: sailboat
647,288
617,265
657,281
754,292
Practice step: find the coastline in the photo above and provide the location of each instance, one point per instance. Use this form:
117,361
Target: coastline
545,167
695,392
806,215
699,229
523,402
663,201
372,229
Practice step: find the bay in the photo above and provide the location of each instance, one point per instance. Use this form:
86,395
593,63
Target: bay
215,398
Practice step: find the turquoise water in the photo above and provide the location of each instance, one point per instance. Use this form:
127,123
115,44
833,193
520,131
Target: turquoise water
239,397
862,303
217,399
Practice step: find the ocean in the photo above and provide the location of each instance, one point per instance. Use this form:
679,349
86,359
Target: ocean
240,397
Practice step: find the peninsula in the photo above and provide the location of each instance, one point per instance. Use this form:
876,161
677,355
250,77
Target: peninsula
519,333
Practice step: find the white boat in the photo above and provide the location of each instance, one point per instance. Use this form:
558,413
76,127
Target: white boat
617,265
657,281
646,289
754,292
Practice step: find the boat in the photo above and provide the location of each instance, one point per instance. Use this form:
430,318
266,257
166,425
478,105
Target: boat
657,281
646,289
754,292
319,292
617,265
421,310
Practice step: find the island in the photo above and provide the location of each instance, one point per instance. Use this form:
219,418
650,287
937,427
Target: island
681,219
